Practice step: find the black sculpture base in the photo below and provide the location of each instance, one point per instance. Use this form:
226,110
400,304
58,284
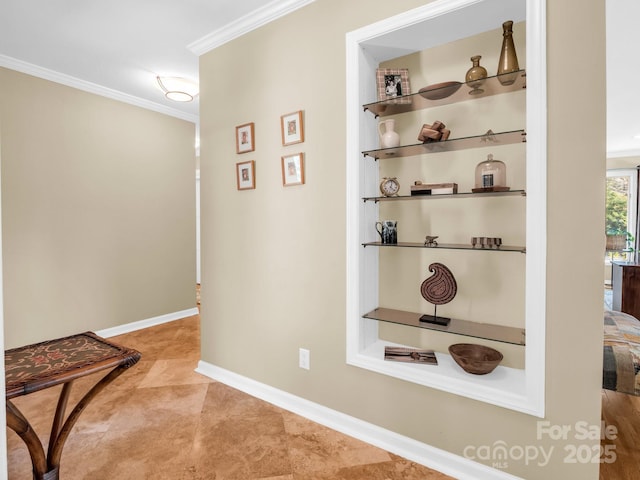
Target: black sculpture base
435,320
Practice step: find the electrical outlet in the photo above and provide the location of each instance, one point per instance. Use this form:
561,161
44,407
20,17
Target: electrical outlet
304,360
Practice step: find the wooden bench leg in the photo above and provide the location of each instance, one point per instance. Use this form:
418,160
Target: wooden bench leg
17,422
48,467
57,443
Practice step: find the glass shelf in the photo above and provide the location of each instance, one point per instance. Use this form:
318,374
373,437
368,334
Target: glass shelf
448,246
488,139
415,101
468,328
510,193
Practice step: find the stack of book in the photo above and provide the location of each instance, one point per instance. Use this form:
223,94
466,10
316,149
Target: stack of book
419,188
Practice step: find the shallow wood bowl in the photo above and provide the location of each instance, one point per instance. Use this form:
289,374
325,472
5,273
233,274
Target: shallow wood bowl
476,359
439,90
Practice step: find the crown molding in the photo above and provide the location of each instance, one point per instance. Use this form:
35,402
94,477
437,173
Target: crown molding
68,80
270,12
623,153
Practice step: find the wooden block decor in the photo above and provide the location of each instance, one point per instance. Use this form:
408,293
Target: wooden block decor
437,132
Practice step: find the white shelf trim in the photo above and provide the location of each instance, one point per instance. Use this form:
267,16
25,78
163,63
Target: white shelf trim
504,387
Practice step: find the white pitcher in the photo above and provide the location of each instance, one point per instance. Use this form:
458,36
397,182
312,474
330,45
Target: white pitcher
389,138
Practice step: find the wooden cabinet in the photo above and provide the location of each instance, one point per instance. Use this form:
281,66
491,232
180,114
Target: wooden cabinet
626,288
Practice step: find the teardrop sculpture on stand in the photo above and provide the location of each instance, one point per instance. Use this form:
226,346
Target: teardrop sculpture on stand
508,64
476,76
439,288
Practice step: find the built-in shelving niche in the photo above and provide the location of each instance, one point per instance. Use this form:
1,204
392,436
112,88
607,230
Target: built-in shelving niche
434,24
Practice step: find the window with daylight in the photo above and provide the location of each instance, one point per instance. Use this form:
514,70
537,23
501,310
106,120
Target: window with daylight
621,215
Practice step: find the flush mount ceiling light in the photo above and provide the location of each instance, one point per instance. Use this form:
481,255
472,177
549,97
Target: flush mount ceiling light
178,89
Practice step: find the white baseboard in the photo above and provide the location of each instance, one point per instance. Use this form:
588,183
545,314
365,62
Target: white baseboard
149,322
431,457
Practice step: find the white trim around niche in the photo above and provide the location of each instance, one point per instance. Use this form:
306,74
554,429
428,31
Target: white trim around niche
445,462
520,390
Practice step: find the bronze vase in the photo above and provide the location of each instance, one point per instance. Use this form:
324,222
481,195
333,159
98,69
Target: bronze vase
508,64
476,76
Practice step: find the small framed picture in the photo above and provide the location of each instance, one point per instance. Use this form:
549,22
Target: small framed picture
392,83
293,169
246,175
292,128
245,138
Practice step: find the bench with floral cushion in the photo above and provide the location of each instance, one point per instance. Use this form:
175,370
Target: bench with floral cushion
621,369
50,363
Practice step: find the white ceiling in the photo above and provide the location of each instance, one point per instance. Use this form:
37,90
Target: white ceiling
118,47
122,45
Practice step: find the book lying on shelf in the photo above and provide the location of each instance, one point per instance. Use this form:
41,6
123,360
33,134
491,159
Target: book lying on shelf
410,355
420,188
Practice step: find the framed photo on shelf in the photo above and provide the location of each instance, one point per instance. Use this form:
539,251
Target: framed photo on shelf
292,128
393,83
293,169
246,175
245,138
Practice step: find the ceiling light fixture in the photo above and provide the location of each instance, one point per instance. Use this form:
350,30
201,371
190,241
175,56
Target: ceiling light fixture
178,89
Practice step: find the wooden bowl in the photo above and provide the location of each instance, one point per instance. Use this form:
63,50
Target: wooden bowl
476,359
439,91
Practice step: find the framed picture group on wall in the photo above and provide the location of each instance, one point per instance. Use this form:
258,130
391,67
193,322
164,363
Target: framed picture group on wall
292,166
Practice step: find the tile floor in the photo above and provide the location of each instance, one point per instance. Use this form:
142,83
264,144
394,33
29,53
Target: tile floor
161,420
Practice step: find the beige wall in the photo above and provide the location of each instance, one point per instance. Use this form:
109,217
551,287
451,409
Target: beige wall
273,276
623,162
98,210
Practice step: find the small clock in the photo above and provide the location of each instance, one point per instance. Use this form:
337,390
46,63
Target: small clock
389,187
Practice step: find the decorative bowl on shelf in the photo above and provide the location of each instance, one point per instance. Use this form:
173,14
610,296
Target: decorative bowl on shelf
439,91
475,359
